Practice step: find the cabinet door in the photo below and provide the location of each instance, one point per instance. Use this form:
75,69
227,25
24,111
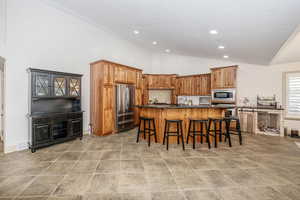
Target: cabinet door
75,86
108,73
41,133
76,127
217,79
120,75
138,101
139,80
138,97
59,85
131,76
41,85
108,112
204,85
229,77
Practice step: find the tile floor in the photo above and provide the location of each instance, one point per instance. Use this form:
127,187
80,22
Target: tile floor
116,168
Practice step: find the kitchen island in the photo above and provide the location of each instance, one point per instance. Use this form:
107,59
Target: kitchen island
184,113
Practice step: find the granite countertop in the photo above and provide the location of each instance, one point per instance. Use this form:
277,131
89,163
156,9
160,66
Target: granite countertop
171,106
259,108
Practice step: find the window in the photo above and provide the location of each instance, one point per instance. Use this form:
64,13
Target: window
292,94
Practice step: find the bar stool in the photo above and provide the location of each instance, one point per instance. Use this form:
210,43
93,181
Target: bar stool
233,131
149,130
217,131
178,132
192,131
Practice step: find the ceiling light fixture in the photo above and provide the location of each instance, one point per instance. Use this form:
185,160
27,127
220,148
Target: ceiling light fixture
225,56
136,32
221,47
213,32
154,43
168,50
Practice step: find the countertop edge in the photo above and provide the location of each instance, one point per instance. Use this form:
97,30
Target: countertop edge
181,107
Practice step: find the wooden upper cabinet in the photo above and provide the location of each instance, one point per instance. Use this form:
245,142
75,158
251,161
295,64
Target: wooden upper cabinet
139,80
160,81
131,76
108,73
125,75
120,75
224,77
194,85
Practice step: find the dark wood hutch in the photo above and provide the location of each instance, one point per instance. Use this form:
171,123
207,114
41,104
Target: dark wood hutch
55,114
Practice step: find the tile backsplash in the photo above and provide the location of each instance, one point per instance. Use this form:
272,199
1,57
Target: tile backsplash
162,96
196,100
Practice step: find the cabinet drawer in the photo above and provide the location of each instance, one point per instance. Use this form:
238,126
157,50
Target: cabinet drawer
75,116
76,127
42,133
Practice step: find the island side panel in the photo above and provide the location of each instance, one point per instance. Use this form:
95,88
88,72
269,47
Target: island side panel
155,113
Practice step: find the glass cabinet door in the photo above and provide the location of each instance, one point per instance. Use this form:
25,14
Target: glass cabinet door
41,85
74,86
59,84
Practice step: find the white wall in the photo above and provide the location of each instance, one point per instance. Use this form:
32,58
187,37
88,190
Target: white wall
41,36
2,26
252,80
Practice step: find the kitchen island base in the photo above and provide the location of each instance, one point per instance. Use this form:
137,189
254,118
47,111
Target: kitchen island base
184,114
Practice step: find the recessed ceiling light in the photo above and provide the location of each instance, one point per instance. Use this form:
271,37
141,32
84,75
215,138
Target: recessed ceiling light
136,32
154,43
226,56
221,47
168,50
213,32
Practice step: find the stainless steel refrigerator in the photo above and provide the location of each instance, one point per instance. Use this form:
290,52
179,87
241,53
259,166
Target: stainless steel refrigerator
124,105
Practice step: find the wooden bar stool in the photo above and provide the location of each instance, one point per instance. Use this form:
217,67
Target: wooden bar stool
215,130
178,132
193,132
147,129
233,131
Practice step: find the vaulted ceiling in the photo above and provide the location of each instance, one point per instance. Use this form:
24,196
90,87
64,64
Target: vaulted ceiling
252,31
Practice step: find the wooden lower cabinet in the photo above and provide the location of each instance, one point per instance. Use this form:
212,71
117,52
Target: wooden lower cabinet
108,110
53,129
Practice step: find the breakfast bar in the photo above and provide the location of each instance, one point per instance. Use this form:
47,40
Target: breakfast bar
178,112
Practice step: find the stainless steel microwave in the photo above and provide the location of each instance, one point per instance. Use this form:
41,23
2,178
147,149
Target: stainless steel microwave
224,95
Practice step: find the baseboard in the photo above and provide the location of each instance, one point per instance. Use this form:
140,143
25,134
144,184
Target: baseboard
24,145
87,132
17,147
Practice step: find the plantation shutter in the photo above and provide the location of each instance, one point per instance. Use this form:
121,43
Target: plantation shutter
293,94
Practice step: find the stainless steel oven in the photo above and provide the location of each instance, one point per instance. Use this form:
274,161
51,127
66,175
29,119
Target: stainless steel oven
223,95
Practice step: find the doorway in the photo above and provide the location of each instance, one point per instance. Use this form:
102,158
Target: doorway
2,71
